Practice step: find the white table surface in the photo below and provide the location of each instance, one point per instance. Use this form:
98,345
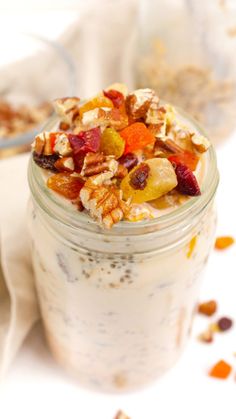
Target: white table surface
36,388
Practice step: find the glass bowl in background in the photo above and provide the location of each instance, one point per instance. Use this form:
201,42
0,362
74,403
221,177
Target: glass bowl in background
33,72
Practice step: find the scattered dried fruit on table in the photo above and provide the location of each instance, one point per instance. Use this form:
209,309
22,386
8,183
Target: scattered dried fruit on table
161,180
224,323
220,370
136,137
187,182
121,415
112,144
206,337
66,184
208,308
223,242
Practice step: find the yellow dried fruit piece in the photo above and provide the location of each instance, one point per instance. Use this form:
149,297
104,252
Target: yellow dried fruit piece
96,102
191,246
112,144
161,179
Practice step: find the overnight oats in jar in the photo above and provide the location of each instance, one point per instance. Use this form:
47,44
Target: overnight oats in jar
122,222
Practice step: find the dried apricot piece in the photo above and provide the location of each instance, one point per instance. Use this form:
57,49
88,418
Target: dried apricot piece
161,179
96,102
220,370
136,137
187,158
223,242
65,184
112,144
208,308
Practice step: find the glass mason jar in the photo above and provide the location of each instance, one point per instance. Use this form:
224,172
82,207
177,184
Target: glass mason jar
117,305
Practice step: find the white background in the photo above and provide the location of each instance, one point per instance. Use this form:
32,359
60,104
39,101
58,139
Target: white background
36,388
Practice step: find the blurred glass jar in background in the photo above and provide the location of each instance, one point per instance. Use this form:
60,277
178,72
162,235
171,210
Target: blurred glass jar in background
33,71
187,53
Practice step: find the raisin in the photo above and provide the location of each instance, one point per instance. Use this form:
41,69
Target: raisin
46,162
138,179
130,160
224,324
187,182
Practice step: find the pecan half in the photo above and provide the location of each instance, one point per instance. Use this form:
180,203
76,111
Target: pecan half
95,163
139,101
104,203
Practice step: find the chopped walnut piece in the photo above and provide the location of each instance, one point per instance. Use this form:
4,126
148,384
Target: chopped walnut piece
166,147
139,101
121,415
65,164
38,144
103,117
104,203
95,163
200,143
67,108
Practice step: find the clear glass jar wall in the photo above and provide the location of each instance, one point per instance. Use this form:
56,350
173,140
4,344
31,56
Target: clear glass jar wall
118,305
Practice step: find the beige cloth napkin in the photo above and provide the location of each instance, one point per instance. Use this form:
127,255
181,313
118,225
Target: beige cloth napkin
18,303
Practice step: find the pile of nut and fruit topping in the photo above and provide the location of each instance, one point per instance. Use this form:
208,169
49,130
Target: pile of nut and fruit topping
120,155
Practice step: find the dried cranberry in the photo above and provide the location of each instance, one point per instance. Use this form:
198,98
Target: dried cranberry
138,179
187,182
116,97
130,160
46,162
85,141
225,324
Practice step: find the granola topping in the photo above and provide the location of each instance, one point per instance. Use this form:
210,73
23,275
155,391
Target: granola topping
122,154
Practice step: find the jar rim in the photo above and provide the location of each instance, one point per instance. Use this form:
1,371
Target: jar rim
58,209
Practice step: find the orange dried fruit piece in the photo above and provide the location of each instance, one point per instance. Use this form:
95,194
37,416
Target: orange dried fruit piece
223,242
96,102
160,179
208,308
112,144
220,370
136,137
191,246
187,158
66,185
